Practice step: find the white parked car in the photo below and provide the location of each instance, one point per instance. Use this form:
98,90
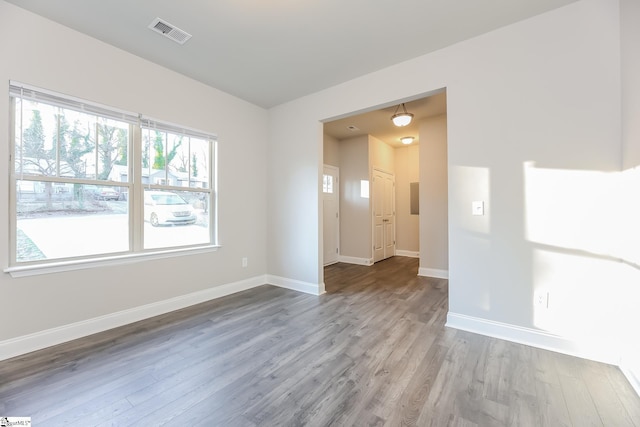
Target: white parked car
166,208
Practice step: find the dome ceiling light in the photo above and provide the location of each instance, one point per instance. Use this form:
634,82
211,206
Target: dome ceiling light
403,118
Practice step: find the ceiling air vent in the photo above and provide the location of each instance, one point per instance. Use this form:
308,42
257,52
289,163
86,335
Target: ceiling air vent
171,31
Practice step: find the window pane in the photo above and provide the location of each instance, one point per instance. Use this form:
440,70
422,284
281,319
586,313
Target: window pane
174,160
364,189
199,172
36,151
61,142
61,220
17,136
177,159
78,144
146,155
327,183
175,218
113,139
157,160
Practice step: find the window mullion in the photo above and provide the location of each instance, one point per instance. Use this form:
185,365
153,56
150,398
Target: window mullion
58,143
97,166
166,158
189,160
136,203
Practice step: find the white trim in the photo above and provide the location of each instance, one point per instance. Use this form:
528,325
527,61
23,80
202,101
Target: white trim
410,254
535,338
632,376
354,260
433,272
47,338
296,285
128,258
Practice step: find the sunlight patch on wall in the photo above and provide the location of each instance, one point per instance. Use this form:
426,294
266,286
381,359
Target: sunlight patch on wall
572,209
584,236
629,245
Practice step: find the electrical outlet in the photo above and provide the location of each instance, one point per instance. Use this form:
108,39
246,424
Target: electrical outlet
245,262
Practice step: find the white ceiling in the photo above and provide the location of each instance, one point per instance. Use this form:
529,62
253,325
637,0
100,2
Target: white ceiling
270,52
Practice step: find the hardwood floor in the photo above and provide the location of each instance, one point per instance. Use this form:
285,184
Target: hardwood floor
373,351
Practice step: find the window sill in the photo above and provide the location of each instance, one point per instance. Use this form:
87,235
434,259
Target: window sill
72,265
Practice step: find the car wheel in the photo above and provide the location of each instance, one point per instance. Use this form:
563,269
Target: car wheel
154,219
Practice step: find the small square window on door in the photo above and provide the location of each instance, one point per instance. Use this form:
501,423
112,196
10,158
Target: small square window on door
327,184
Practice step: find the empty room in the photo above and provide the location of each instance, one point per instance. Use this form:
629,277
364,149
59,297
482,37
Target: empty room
200,225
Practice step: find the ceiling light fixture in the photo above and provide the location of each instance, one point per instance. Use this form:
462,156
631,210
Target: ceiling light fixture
403,118
406,140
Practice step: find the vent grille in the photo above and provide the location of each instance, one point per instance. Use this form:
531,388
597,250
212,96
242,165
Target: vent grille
170,31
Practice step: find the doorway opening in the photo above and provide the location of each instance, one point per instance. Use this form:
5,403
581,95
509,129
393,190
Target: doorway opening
378,216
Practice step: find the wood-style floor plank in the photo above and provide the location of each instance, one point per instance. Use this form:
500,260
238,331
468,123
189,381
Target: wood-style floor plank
373,351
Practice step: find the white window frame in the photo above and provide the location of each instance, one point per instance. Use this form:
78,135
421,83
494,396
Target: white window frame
135,186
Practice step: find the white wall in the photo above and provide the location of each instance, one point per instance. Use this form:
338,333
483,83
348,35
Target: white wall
355,214
331,151
381,156
293,216
434,229
39,52
542,92
407,169
630,37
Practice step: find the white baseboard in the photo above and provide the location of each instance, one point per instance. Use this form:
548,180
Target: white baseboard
534,338
296,285
354,260
433,272
410,254
47,338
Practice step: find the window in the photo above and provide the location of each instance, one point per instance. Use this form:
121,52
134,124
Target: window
90,181
177,162
327,183
364,188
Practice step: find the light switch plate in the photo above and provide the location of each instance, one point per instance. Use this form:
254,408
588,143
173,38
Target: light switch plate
477,208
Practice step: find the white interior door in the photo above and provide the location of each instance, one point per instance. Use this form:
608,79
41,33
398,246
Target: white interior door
331,218
384,223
